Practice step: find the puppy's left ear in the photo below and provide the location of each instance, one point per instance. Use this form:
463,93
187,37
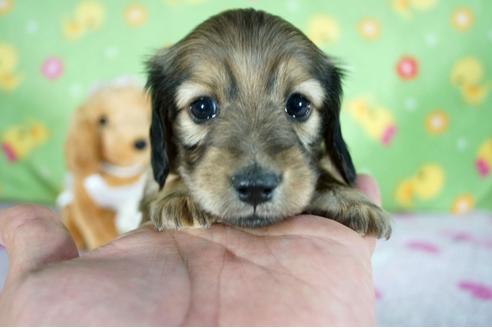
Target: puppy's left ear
335,144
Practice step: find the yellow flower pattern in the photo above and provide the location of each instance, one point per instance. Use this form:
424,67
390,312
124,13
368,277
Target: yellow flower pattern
323,30
19,140
135,15
425,185
376,120
462,19
462,204
9,75
87,16
467,75
6,6
369,29
436,122
407,8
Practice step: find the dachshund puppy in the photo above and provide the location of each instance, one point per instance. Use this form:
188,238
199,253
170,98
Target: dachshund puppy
245,130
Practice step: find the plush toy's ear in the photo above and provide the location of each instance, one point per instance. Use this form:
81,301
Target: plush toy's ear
332,133
161,84
83,144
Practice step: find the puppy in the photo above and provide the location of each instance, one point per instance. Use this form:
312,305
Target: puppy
245,130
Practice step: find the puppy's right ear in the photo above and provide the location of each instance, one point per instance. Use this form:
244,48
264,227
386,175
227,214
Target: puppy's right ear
161,89
159,159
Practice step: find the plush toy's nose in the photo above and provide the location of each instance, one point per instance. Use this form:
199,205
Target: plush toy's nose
140,144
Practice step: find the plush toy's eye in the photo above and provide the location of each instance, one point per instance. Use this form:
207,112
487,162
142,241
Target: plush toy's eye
298,107
103,120
203,109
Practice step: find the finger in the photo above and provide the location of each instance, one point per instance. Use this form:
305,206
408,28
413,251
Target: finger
33,236
370,242
369,187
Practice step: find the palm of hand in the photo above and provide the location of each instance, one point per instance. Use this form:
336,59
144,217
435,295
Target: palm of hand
217,276
305,270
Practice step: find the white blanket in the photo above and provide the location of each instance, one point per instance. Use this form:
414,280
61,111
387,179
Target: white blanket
435,270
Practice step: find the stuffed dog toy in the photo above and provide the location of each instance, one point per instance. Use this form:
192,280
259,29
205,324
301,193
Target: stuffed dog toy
245,130
107,155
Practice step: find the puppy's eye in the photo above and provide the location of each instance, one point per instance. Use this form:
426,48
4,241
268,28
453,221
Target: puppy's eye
298,107
103,120
203,109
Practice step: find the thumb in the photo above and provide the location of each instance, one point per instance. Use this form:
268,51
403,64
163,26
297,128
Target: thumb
33,236
369,187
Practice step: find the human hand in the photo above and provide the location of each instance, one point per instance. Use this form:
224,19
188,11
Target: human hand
306,270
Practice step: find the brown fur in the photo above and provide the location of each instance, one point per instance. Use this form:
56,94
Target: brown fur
250,62
88,145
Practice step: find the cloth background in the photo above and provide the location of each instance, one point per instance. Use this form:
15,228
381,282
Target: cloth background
417,111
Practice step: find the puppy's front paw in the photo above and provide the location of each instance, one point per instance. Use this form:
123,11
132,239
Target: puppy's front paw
175,212
354,210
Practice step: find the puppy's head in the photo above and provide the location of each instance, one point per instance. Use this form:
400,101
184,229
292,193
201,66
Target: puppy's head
245,110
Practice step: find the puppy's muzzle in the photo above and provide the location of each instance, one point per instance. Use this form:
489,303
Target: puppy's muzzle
255,185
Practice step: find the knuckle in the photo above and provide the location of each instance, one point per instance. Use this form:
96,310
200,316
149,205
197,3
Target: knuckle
27,221
28,212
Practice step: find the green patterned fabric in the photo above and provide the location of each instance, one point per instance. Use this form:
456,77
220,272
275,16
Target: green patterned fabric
417,110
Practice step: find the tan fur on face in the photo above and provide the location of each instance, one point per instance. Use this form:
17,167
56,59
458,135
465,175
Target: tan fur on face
188,91
188,131
212,188
309,131
313,90
192,133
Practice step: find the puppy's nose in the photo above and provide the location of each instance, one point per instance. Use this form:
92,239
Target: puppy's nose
140,144
255,185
